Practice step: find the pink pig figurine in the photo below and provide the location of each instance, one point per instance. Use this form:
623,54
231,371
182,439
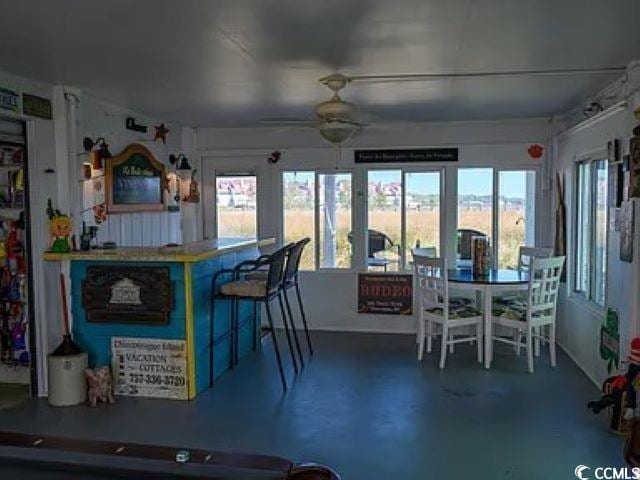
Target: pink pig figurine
100,385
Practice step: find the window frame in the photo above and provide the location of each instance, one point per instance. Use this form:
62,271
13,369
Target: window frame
403,267
589,294
231,173
495,202
316,214
496,198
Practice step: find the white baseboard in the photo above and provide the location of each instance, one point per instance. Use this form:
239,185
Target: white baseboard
345,329
573,359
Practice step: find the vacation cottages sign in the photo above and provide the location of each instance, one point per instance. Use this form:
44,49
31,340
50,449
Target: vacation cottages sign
385,293
407,155
150,367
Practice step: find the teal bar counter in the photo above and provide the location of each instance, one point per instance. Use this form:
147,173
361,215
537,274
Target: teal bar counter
186,271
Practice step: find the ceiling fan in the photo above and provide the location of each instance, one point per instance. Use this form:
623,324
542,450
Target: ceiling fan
336,119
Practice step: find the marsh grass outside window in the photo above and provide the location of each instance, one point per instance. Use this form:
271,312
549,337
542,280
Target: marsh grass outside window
236,206
404,206
500,204
591,224
318,205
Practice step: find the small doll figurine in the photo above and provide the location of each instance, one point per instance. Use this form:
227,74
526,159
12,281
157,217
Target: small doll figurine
614,388
60,229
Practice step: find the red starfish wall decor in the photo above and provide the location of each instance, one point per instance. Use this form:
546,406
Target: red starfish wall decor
161,133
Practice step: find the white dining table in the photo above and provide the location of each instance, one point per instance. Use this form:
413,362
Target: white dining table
497,281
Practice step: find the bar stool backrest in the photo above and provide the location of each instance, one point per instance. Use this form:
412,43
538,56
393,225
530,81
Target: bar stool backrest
293,261
527,254
276,268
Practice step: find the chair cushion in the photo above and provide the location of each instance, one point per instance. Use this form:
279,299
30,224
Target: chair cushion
513,308
510,307
459,307
245,288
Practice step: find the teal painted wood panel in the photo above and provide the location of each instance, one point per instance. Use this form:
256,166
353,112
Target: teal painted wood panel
95,338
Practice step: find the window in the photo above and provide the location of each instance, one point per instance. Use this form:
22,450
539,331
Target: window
318,205
516,214
422,211
384,202
299,193
591,230
475,209
334,201
500,205
236,206
403,211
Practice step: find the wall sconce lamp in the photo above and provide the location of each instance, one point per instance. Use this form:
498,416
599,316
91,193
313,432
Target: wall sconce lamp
102,153
183,169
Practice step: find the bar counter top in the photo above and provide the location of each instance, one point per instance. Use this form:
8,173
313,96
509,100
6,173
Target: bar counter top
189,253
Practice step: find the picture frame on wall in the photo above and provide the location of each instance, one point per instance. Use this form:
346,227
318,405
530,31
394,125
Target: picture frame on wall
616,185
626,231
613,151
134,181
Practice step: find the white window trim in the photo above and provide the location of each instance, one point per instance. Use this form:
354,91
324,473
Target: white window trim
585,299
232,173
403,221
495,195
316,215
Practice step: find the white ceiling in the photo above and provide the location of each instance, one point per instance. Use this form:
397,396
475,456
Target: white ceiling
208,63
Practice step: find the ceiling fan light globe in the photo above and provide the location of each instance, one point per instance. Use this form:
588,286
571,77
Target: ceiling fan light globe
337,132
336,109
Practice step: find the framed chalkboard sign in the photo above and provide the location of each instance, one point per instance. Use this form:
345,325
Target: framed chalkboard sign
134,181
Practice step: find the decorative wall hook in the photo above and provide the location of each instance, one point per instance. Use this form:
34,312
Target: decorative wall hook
131,124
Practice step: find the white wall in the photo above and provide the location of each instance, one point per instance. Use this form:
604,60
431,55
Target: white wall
331,296
579,321
55,156
94,119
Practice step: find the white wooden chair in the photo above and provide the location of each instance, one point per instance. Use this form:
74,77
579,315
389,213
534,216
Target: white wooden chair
436,307
526,254
530,317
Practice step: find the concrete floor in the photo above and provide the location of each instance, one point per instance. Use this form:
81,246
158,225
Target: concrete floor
12,394
364,406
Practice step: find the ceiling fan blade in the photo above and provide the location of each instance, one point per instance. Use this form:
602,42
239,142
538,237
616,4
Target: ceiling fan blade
288,122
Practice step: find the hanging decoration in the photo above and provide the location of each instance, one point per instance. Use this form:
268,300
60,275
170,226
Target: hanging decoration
626,231
130,124
194,190
610,340
560,243
60,229
274,157
535,151
161,133
634,162
9,100
98,151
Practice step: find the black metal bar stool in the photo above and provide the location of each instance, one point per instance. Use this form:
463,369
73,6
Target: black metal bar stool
290,280
257,290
